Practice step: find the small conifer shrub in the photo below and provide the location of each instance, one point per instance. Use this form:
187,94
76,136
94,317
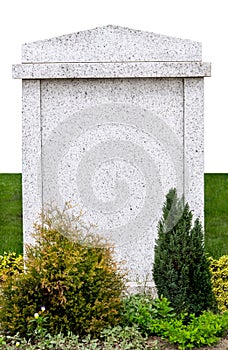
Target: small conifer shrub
69,271
181,270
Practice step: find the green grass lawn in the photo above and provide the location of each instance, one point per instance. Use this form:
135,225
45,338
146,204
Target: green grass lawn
216,213
10,213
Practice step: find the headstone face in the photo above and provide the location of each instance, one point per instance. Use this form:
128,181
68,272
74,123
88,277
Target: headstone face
112,119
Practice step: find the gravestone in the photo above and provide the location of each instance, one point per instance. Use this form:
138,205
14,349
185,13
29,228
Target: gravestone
112,119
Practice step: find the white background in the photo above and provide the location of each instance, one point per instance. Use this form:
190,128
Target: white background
201,20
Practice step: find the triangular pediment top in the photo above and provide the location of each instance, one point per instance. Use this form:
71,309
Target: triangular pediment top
111,44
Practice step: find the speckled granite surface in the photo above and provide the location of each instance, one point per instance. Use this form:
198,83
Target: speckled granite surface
111,44
122,125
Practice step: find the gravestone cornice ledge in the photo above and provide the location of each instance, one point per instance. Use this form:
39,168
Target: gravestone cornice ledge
111,70
112,44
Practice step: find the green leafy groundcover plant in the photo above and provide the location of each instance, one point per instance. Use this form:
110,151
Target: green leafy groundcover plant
122,338
69,271
142,310
157,317
205,329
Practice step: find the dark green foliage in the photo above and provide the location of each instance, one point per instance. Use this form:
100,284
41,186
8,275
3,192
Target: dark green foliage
72,274
181,270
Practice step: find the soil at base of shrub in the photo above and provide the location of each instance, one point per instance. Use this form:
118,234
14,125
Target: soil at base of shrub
163,345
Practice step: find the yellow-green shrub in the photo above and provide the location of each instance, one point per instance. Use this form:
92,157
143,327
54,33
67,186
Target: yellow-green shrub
219,269
10,264
70,272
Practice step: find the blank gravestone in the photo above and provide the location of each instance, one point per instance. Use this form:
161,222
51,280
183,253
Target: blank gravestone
112,119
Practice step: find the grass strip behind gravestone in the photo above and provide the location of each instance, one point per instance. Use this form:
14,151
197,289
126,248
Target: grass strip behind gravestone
11,213
216,214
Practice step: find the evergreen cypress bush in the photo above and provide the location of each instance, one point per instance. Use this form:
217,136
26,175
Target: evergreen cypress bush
181,270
